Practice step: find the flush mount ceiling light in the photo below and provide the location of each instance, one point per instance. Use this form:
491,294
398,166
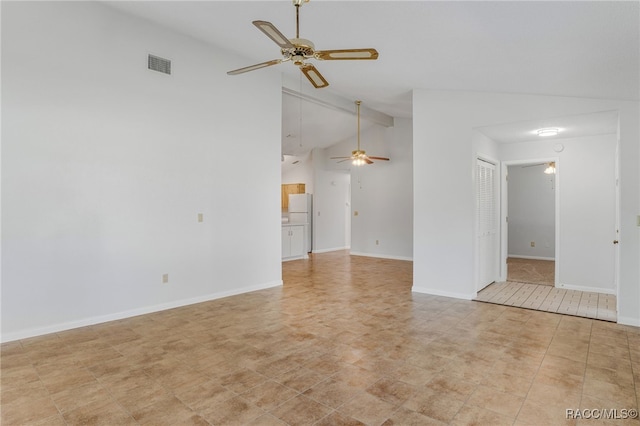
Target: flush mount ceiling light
551,131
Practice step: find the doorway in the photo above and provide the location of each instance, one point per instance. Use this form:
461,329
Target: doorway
531,222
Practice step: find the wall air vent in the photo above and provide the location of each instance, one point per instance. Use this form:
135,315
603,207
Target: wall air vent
159,64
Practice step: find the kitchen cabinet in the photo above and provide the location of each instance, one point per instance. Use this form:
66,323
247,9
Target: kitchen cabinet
293,246
290,188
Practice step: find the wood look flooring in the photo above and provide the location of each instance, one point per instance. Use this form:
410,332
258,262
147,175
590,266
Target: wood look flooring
343,342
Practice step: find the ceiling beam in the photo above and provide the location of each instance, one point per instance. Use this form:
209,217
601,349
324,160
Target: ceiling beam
331,101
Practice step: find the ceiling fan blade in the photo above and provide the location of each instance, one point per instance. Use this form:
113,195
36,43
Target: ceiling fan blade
274,34
347,54
255,67
314,76
337,158
379,158
367,160
346,159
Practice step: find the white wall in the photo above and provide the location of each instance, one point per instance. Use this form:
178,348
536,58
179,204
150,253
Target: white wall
444,211
382,192
300,173
105,166
330,206
532,212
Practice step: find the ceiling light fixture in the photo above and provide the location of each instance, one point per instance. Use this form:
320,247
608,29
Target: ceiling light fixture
551,169
359,157
547,132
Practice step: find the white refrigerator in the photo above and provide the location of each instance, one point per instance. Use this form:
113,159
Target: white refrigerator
300,211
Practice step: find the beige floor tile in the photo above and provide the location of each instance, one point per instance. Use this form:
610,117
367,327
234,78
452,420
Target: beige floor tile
235,411
512,384
269,395
474,415
451,387
535,414
301,379
406,417
368,409
332,393
22,412
392,391
434,404
72,398
201,396
169,411
99,413
506,404
348,332
301,410
337,418
266,420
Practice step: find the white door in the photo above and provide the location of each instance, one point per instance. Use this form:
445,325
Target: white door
487,219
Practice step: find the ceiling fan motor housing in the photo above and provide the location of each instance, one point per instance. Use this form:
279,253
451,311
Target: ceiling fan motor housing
302,49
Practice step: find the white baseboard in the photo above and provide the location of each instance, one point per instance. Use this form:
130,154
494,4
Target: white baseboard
331,249
588,289
286,259
55,328
517,256
629,321
434,292
381,256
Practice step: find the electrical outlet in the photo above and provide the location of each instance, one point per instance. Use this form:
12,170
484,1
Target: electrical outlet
165,278
200,217
533,243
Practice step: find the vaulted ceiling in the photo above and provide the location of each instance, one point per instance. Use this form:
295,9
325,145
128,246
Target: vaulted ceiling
564,48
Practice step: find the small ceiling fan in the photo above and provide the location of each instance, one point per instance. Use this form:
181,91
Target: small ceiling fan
299,50
359,157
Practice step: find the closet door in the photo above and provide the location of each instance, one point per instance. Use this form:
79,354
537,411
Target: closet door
487,223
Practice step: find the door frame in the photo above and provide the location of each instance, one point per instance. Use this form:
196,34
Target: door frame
504,212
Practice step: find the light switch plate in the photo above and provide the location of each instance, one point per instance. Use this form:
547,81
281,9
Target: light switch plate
165,278
200,217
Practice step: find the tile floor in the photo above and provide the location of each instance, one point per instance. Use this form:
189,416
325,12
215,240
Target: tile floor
550,299
343,342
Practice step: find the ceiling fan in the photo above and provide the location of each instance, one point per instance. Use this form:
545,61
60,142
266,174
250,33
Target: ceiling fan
359,157
299,50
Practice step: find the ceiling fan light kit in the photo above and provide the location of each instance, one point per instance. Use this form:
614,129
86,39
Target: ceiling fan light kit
551,169
299,51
